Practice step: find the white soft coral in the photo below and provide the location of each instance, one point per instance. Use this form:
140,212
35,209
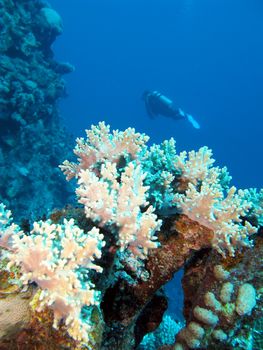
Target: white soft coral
110,200
7,228
101,146
53,257
206,201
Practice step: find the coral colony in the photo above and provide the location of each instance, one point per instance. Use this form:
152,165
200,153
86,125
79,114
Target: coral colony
95,272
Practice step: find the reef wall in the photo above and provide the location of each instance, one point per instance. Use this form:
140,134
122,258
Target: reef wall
32,139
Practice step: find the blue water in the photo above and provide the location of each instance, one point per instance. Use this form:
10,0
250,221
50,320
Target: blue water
206,55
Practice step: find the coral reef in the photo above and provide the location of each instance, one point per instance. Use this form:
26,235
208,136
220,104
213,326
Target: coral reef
163,335
98,270
226,306
32,139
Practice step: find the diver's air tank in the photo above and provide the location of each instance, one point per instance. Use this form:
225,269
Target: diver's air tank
162,98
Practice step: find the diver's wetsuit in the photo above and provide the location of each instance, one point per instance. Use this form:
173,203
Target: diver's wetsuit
158,104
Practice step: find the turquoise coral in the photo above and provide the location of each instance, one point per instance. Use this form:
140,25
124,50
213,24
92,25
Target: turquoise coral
164,335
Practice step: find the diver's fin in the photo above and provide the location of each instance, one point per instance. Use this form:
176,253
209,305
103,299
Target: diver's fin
181,112
193,121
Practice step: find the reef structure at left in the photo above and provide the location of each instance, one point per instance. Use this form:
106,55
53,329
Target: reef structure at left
32,139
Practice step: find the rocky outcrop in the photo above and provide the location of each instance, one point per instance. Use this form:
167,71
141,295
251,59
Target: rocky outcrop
32,139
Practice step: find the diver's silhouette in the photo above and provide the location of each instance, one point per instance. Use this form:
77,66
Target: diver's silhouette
158,104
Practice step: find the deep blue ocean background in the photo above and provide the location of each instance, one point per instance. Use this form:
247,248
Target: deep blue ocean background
205,55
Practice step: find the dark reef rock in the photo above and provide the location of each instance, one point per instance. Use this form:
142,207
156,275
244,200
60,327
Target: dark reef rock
32,140
237,327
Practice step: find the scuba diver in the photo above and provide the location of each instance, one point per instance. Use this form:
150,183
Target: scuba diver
158,104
